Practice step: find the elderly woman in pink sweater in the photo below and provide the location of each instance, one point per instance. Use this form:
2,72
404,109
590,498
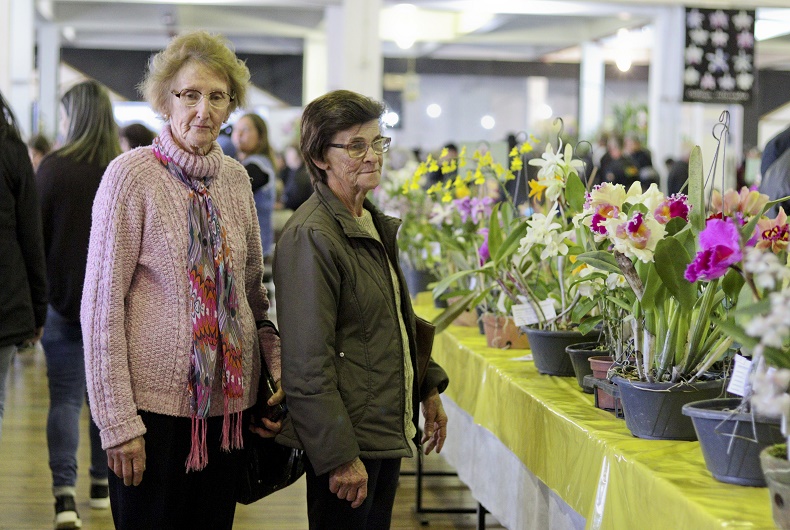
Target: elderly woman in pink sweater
173,292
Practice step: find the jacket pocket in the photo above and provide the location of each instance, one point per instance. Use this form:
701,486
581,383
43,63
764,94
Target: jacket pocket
353,381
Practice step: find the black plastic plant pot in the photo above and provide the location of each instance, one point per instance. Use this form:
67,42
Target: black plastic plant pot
731,441
579,355
548,349
654,410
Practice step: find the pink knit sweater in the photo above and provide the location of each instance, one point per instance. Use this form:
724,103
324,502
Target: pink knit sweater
135,310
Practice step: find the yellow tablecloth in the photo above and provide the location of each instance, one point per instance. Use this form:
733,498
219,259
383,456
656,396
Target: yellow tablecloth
586,455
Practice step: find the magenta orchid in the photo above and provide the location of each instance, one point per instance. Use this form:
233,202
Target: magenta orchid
719,248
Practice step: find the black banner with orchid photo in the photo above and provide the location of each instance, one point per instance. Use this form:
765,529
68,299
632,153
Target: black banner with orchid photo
719,56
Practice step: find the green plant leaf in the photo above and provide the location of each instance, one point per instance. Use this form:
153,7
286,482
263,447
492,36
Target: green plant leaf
696,190
445,283
732,284
494,231
511,243
654,289
671,260
589,324
675,225
600,260
574,192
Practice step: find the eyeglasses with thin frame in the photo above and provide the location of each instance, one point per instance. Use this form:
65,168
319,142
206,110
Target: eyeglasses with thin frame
359,148
190,98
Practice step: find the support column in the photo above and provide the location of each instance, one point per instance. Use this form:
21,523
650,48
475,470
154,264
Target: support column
316,71
665,89
354,59
16,58
537,92
591,91
49,77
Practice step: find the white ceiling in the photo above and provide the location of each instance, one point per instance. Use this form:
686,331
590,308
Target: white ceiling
524,30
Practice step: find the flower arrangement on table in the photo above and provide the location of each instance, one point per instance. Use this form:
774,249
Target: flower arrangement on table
528,261
683,268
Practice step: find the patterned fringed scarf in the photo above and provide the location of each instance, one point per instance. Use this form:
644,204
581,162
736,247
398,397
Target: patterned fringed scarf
215,328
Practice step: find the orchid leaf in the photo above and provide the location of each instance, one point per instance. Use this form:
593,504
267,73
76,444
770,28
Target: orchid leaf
620,303
675,225
494,231
732,284
445,283
511,242
696,190
588,324
574,192
600,260
671,260
654,290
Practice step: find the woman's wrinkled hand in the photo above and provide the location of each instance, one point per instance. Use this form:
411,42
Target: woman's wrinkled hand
270,428
127,461
350,482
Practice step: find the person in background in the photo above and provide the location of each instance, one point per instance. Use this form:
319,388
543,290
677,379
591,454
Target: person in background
67,180
295,179
38,147
172,295
348,327
632,148
618,168
135,135
251,140
678,175
774,148
23,298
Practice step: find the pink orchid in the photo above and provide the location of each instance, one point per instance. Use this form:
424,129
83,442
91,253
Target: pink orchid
773,233
602,213
635,230
720,248
675,206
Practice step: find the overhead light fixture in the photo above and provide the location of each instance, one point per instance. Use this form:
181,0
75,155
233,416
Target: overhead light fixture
487,122
434,110
390,118
405,23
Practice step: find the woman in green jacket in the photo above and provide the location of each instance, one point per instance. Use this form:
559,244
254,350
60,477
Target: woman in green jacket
349,367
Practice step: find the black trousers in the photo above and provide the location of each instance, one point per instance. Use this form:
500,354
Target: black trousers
326,512
169,497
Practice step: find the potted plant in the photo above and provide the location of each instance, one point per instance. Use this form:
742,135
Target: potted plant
674,337
399,195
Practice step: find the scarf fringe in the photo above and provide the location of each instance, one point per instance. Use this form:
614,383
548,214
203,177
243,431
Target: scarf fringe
198,452
231,423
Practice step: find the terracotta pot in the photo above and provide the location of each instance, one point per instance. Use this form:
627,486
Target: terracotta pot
600,366
466,319
502,332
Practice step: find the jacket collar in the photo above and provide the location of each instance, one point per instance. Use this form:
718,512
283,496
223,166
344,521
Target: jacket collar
386,225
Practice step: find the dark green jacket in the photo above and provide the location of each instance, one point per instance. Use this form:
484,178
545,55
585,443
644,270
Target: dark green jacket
342,353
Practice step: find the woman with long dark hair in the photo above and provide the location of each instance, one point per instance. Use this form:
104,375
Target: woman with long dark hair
68,179
251,138
23,298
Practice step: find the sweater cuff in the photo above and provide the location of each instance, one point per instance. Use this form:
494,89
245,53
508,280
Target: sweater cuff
118,434
270,347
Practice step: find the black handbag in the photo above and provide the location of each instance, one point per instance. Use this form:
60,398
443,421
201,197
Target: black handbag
266,466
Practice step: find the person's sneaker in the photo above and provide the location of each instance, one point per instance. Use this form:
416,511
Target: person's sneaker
100,496
66,516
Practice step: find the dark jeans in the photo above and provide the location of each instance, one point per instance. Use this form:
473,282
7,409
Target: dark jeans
62,342
169,497
325,511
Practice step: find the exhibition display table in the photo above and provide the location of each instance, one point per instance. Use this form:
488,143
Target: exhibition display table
574,466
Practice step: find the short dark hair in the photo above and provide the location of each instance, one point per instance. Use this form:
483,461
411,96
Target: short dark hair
328,115
138,135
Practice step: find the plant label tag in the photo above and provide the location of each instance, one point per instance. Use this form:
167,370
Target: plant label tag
740,376
526,315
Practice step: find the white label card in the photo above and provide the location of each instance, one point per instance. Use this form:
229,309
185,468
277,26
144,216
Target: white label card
740,376
525,314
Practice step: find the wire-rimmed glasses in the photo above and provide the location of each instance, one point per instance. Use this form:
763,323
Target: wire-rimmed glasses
359,148
191,97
